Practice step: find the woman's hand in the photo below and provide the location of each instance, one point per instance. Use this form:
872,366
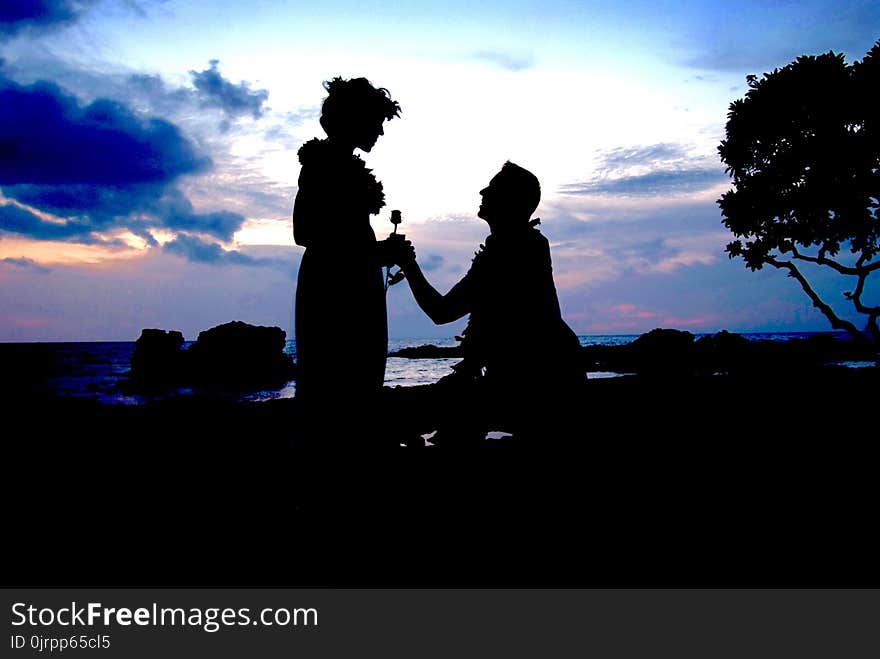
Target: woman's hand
396,250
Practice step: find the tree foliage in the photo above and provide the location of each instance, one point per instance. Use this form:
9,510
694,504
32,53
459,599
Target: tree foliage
803,149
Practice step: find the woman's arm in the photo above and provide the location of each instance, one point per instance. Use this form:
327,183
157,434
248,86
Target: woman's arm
300,222
305,210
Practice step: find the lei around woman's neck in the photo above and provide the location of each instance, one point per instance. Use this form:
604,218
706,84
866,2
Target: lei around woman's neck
371,194
317,150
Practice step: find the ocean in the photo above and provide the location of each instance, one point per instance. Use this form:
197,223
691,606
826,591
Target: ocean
99,370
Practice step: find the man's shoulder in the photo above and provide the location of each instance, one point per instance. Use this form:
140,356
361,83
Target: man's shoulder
538,238
534,246
523,248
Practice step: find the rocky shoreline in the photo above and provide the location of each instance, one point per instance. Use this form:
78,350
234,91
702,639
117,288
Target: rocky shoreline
234,355
238,356
677,353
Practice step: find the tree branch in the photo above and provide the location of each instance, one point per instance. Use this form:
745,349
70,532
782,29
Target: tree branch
871,267
872,312
836,321
822,260
857,295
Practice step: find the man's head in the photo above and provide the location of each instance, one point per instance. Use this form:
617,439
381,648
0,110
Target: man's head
511,197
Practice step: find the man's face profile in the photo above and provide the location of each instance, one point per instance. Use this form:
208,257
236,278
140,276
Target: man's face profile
493,195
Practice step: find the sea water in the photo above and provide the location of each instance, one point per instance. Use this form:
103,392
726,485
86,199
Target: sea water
99,370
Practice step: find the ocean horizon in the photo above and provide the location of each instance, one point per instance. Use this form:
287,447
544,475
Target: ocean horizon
99,370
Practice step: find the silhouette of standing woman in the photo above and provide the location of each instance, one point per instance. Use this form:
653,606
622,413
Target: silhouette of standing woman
341,323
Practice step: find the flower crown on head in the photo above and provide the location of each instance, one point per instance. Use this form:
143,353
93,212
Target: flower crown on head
359,93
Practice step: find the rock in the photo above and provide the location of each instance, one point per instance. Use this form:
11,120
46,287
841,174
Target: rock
664,352
157,357
724,352
237,355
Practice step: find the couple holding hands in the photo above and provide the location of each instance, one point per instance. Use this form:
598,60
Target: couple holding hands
518,351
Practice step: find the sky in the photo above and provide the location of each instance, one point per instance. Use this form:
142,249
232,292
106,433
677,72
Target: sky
148,152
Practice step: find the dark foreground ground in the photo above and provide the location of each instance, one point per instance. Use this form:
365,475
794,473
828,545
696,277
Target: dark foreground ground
703,481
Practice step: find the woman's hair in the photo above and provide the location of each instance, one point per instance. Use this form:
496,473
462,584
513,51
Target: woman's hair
351,101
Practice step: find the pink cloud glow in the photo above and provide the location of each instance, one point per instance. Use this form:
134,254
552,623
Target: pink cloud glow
631,311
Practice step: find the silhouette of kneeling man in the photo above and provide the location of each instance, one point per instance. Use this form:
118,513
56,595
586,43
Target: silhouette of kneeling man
520,361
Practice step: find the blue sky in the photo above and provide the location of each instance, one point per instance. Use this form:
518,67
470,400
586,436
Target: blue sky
148,163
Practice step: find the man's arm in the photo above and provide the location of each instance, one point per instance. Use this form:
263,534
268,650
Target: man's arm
441,309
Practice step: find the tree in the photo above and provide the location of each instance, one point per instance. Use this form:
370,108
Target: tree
803,149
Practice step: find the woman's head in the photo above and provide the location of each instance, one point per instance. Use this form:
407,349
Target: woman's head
354,111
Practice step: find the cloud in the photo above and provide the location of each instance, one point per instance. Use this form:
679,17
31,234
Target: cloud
176,213
156,289
46,137
100,167
505,60
642,155
14,219
230,186
136,208
645,249
39,15
26,264
650,171
282,133
655,183
596,241
199,251
631,311
235,100
152,90
150,93
431,262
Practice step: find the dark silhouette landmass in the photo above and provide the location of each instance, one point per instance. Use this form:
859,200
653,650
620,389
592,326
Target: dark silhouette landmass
740,479
237,356
234,355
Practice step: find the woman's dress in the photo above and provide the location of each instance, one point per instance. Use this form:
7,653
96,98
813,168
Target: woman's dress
341,322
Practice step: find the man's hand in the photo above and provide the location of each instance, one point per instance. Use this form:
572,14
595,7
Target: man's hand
397,250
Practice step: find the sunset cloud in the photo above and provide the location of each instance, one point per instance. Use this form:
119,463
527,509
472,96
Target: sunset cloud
648,171
14,219
632,311
201,251
27,264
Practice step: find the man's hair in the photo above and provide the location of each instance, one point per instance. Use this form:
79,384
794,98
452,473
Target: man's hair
350,100
524,188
